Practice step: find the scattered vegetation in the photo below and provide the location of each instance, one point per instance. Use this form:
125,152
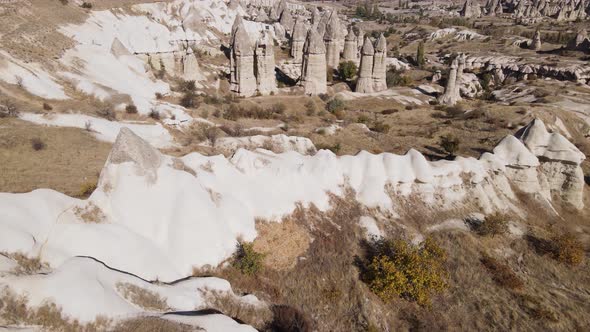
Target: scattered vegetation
395,77
47,107
494,224
347,70
256,316
396,268
87,189
142,297
450,144
287,318
502,274
26,265
420,57
131,109
246,259
37,144
564,247
86,5
8,109
335,105
154,114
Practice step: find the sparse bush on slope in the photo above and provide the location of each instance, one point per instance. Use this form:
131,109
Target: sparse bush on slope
247,260
396,268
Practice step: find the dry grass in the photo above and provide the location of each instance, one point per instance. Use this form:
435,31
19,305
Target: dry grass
90,214
72,157
26,265
152,324
501,273
258,317
14,310
281,243
142,297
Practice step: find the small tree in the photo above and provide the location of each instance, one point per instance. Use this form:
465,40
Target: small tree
347,70
450,144
335,105
420,60
247,260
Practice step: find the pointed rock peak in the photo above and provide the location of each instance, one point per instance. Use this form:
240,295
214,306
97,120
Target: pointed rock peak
314,43
350,36
241,42
512,152
381,44
129,147
299,31
455,63
368,47
237,22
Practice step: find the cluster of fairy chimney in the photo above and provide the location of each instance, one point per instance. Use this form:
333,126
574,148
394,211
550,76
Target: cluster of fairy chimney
316,47
561,10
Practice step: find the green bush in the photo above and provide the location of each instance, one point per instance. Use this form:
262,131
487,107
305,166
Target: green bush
494,224
335,105
347,70
450,144
247,260
400,269
396,78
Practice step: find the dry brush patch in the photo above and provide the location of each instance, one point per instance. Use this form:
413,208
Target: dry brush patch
152,324
230,305
26,265
142,297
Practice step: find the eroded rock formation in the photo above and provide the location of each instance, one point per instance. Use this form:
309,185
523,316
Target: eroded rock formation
364,83
451,95
350,46
313,69
297,40
380,65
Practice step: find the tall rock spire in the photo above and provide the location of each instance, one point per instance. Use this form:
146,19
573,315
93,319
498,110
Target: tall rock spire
265,64
350,46
451,94
242,79
298,39
380,65
364,84
313,69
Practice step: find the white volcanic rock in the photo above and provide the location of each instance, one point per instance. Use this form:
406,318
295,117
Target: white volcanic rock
552,146
365,82
380,64
275,143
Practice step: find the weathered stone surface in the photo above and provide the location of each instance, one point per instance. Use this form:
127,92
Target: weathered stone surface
350,46
581,42
536,42
298,39
470,9
365,81
331,38
265,64
287,21
451,95
242,79
313,69
380,65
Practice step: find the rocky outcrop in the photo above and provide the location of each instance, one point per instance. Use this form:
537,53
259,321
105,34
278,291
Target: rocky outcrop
364,83
380,65
536,42
297,40
519,67
470,9
287,21
350,47
560,170
313,69
581,42
261,15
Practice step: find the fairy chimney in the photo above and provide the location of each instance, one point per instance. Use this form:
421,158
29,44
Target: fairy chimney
536,42
265,64
242,79
450,96
364,83
380,65
331,35
350,46
313,69
298,39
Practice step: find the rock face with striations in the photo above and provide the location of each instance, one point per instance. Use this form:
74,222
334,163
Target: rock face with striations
350,46
581,42
536,42
313,69
332,42
380,65
365,81
242,79
265,64
451,95
560,171
297,40
287,22
470,9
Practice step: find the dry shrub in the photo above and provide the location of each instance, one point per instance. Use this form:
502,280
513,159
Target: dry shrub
567,249
14,310
37,144
47,107
501,273
494,224
396,268
152,324
230,305
281,242
450,144
142,297
289,319
131,109
8,109
26,265
90,214
534,307
87,189
564,248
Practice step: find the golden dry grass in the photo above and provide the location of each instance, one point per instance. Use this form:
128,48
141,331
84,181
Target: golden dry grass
142,297
281,243
72,157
